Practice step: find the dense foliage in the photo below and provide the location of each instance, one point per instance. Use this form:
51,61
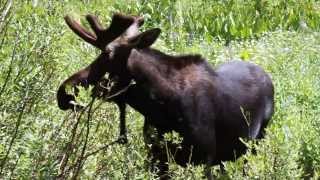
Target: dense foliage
38,51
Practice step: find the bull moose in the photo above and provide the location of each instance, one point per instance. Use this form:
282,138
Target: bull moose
210,109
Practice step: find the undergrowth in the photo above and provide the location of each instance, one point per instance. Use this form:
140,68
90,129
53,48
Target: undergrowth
38,51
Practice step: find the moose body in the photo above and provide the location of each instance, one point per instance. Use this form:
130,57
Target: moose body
210,109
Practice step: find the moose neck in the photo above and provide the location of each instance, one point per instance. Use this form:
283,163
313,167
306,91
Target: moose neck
167,76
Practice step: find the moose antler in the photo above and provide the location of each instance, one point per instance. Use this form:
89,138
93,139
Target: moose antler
83,33
101,37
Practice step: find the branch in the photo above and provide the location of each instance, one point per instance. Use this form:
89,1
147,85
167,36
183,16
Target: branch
103,148
10,66
5,12
3,162
81,159
69,146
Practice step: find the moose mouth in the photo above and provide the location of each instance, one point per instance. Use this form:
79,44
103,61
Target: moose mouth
106,88
67,101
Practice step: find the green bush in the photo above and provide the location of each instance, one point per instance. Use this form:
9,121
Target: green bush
38,51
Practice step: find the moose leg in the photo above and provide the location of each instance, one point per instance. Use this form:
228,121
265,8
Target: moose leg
203,132
261,117
123,129
157,153
208,168
206,140
255,128
160,162
222,169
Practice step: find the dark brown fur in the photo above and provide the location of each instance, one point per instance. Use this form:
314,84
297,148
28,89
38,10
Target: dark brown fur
210,109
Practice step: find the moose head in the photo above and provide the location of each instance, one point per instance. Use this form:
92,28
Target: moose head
115,43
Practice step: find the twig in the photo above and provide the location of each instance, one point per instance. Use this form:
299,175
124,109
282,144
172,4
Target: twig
117,93
5,12
4,31
26,100
15,166
96,151
69,146
3,162
10,67
81,160
102,148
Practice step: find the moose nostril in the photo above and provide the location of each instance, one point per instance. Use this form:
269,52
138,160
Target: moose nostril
73,103
75,106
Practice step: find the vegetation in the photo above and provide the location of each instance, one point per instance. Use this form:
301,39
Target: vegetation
38,51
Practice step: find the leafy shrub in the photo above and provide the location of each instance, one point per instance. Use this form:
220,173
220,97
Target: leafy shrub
38,51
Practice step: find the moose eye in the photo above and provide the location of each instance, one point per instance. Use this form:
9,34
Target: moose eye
107,50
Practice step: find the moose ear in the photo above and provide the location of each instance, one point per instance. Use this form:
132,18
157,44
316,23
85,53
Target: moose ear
145,39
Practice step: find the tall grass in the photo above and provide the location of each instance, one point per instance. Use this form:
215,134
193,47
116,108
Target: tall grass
227,19
38,51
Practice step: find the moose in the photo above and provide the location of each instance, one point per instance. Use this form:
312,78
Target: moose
211,109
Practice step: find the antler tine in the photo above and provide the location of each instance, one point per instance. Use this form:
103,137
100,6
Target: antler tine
140,20
120,23
94,23
101,37
80,31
